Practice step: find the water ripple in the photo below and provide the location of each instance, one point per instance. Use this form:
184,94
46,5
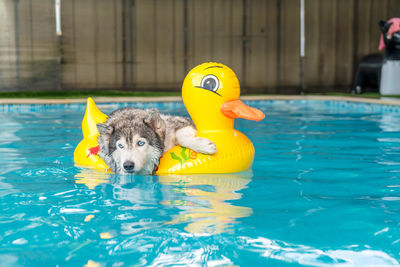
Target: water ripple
324,192
317,257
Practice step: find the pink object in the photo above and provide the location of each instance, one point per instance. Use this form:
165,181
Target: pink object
395,27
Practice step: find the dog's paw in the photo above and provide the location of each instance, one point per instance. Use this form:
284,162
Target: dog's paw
205,146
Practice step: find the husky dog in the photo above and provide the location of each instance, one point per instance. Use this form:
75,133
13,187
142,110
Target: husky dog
133,140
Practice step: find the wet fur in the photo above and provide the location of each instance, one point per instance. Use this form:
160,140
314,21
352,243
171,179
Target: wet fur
160,133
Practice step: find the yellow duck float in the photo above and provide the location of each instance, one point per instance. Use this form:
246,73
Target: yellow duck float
85,153
210,93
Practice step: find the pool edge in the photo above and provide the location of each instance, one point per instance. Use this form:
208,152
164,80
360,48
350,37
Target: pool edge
385,101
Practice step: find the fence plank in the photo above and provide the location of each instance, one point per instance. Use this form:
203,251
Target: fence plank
379,12
8,55
85,44
344,44
36,45
290,48
165,43
118,39
261,57
215,33
328,42
200,32
236,44
25,42
362,32
221,38
393,9
107,38
128,43
178,48
312,49
145,44
69,62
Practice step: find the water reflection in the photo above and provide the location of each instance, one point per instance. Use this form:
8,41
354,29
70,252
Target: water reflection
202,200
389,122
389,142
92,178
11,154
142,191
199,201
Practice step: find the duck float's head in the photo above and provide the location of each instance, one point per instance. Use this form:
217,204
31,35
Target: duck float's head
211,93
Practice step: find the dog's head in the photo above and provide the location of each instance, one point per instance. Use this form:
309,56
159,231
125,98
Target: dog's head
133,146
390,33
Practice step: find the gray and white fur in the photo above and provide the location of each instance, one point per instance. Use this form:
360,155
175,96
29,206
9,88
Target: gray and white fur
133,140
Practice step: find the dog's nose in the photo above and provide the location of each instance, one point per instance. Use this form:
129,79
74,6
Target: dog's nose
129,166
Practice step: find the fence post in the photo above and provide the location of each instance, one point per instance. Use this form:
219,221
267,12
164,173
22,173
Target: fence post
16,37
244,44
59,43
124,66
302,47
185,36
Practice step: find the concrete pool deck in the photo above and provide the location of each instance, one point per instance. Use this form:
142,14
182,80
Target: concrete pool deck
49,101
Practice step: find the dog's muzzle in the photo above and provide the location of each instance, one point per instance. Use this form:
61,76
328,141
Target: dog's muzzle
129,166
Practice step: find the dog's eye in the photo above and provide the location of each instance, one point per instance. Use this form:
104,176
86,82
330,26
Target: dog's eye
120,146
140,143
210,82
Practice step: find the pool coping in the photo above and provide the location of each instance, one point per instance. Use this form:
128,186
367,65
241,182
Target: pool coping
49,101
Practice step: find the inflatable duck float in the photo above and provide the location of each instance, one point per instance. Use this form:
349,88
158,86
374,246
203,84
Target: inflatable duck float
85,153
210,93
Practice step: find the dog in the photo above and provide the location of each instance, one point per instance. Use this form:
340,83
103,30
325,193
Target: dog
133,140
368,75
390,38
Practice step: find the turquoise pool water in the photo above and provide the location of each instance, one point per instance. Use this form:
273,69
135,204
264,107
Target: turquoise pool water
324,191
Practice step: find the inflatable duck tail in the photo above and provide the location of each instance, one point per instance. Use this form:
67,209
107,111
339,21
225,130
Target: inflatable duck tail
92,117
86,152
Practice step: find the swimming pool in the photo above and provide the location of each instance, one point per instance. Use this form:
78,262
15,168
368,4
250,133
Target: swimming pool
324,190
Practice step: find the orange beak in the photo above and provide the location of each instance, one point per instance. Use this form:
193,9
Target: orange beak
237,109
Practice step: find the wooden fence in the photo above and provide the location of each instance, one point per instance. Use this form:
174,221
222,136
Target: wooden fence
151,44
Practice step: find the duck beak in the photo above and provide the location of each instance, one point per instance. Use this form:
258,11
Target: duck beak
237,109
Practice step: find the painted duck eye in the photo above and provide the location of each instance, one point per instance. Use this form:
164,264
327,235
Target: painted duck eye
210,82
140,143
120,146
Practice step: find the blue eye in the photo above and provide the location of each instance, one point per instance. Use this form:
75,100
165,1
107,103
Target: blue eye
120,146
140,143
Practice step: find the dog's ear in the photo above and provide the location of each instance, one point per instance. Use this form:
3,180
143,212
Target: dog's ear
384,26
381,24
155,122
104,129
